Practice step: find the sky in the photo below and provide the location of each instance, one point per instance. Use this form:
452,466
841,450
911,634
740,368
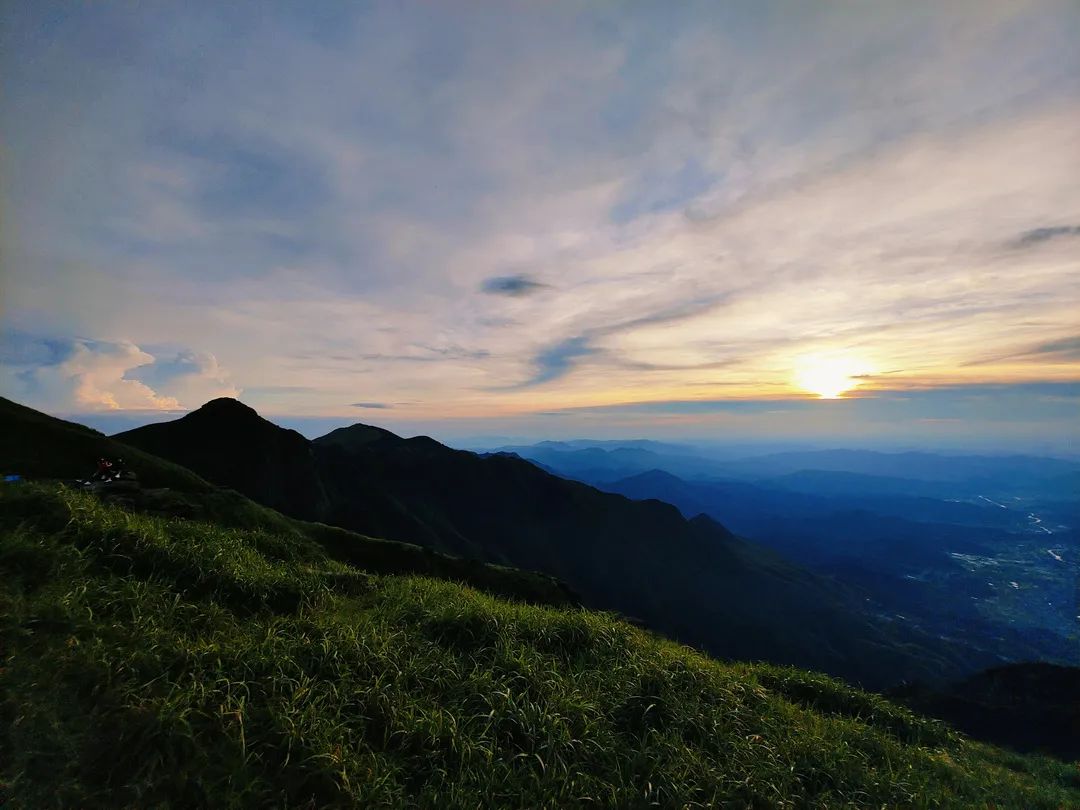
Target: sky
844,221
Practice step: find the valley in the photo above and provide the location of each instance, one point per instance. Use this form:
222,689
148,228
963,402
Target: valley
968,550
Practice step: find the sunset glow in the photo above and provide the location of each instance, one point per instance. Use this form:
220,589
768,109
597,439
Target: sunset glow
828,377
388,216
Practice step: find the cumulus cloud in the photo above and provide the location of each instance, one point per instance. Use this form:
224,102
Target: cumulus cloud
192,377
90,375
99,379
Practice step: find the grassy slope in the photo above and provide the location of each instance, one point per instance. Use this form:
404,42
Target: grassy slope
149,660
229,509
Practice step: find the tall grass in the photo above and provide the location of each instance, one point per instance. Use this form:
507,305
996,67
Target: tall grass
151,661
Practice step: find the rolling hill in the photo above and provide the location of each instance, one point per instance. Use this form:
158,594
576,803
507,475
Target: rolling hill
689,579
42,447
158,661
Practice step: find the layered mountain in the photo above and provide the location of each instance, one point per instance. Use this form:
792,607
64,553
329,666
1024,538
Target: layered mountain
689,579
864,474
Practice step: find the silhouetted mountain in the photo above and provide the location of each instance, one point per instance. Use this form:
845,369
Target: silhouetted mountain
689,579
692,580
36,445
593,462
235,447
1028,707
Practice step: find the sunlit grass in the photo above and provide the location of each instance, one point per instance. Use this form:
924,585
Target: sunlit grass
151,661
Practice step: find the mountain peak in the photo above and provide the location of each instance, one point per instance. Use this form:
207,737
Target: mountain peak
226,406
228,414
237,448
655,477
355,436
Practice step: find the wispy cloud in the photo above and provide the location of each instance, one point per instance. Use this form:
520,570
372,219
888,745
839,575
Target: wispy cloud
686,213
1037,236
556,361
1064,349
372,405
514,286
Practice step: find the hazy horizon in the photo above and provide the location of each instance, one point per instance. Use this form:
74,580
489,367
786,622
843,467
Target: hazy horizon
479,435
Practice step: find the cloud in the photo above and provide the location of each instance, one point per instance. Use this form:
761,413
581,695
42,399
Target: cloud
558,360
20,349
96,376
515,286
1064,349
699,406
689,203
92,375
426,354
1037,236
372,405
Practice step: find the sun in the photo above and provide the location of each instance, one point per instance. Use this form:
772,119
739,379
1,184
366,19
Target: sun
828,377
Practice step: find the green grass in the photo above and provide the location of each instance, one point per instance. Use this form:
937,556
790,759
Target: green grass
229,509
153,661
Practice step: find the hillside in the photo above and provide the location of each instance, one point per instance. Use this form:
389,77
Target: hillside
1028,707
158,661
33,444
39,446
1001,579
691,580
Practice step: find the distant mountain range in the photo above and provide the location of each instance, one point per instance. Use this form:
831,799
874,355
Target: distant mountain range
979,549
690,579
816,471
830,607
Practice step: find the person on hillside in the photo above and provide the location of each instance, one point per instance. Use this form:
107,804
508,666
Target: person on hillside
104,470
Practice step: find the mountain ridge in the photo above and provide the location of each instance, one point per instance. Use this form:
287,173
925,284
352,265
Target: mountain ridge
689,579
